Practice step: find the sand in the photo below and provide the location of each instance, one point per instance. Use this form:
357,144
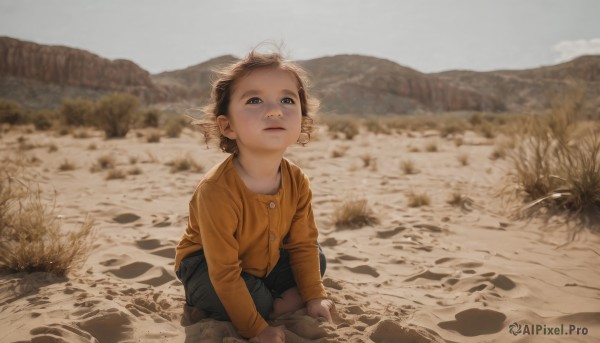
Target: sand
437,273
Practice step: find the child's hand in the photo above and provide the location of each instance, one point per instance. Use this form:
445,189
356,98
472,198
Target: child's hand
320,308
270,335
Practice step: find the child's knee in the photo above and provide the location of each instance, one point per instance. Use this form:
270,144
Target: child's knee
264,305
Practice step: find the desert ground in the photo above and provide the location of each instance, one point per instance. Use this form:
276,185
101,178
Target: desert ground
447,271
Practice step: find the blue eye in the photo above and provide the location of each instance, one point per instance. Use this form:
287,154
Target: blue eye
254,100
287,101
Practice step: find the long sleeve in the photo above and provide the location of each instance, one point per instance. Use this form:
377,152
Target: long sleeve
302,246
217,219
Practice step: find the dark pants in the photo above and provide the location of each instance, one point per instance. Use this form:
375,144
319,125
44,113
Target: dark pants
200,293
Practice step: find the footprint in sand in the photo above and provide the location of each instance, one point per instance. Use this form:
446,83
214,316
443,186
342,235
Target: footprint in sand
389,233
60,333
161,279
364,269
131,270
475,322
332,242
157,247
126,218
97,322
429,275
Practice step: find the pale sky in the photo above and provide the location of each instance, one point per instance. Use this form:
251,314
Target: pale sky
427,35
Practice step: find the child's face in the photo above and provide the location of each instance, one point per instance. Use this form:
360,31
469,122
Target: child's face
264,111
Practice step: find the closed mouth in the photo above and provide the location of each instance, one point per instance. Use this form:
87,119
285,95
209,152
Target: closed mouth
275,128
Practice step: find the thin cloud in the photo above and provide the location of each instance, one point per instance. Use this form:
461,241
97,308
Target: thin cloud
568,50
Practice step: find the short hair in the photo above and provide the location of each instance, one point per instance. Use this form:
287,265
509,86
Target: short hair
223,86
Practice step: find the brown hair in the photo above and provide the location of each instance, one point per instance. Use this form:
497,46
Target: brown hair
223,87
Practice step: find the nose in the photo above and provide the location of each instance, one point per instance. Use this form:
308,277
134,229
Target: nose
274,111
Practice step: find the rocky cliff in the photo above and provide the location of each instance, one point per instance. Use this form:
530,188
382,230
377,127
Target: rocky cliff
74,68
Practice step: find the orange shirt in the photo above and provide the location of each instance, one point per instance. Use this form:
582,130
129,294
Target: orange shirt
243,231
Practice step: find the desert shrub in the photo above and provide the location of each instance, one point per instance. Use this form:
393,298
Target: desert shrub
453,127
77,112
487,130
476,119
346,126
63,130
114,114
174,126
556,164
31,235
43,119
418,199
11,112
376,126
81,134
153,136
353,214
150,118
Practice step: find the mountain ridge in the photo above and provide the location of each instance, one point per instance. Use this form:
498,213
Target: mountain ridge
40,75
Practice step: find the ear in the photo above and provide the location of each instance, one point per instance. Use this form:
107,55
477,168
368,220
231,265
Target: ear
225,127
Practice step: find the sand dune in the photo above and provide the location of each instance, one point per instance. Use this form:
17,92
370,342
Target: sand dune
437,273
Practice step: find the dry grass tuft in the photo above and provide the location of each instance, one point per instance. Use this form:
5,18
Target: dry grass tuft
134,171
499,152
408,167
338,125
92,146
81,134
52,147
174,126
431,147
339,151
557,163
463,159
31,237
354,214
376,126
185,163
458,199
115,174
368,160
458,141
103,162
67,165
418,199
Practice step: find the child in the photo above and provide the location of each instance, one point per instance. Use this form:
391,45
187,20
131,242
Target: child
250,249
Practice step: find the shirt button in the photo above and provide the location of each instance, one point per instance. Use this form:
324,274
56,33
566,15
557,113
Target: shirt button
271,205
272,237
